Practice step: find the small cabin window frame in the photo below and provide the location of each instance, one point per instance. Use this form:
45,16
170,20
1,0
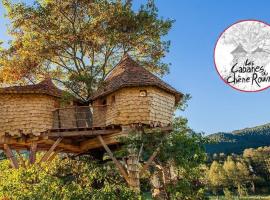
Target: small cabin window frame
102,102
143,93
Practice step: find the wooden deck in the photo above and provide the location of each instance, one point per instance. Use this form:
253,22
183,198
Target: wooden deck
73,140
76,140
72,132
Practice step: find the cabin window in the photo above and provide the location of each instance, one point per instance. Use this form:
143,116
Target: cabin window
113,99
102,102
143,93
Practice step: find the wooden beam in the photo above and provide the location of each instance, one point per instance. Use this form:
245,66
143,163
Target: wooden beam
7,140
13,161
165,129
82,133
149,161
53,155
19,141
32,155
116,162
69,147
49,152
94,142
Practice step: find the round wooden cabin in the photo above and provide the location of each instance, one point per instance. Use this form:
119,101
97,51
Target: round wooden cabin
28,109
32,119
132,95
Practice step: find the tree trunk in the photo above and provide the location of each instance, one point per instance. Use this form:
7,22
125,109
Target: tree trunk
133,171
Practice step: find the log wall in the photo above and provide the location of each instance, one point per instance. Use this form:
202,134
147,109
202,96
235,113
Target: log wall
27,113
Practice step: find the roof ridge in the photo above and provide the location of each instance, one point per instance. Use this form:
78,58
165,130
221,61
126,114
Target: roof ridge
129,73
44,87
125,57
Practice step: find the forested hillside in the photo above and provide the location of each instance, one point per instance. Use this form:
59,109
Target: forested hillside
239,140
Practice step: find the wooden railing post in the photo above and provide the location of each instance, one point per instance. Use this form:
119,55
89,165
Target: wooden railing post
59,118
32,155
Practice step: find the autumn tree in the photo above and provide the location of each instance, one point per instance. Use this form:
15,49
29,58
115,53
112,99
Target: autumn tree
237,175
216,177
77,42
259,161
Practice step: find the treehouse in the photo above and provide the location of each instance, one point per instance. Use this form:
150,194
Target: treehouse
133,95
34,118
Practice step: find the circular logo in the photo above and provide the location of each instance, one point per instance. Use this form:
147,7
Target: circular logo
242,56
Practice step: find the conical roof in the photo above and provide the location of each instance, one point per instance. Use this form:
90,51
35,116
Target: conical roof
259,50
129,73
44,87
239,49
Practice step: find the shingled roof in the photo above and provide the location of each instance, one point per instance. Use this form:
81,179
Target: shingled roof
44,87
129,73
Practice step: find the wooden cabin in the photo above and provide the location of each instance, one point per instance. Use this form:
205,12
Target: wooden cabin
132,95
33,109
33,118
28,109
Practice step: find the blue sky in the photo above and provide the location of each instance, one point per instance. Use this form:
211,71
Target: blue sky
214,105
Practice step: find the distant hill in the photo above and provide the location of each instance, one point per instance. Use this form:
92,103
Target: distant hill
239,140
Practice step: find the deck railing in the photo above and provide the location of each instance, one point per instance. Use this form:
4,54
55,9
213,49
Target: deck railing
72,117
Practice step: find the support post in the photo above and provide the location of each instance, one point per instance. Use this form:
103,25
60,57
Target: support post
53,155
133,170
149,161
49,152
32,155
13,161
116,162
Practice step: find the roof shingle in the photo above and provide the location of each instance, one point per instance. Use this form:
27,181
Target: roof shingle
44,87
129,73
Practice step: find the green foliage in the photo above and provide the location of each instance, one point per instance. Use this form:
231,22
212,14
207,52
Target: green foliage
63,179
228,194
184,145
183,103
177,170
185,151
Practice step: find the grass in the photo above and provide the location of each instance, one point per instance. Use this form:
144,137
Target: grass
241,198
147,196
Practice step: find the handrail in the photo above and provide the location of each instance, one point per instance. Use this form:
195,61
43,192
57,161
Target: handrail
71,107
72,117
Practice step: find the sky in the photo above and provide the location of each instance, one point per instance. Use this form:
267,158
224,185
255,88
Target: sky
214,106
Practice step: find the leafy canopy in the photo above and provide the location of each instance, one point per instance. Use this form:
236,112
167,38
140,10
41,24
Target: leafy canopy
77,42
